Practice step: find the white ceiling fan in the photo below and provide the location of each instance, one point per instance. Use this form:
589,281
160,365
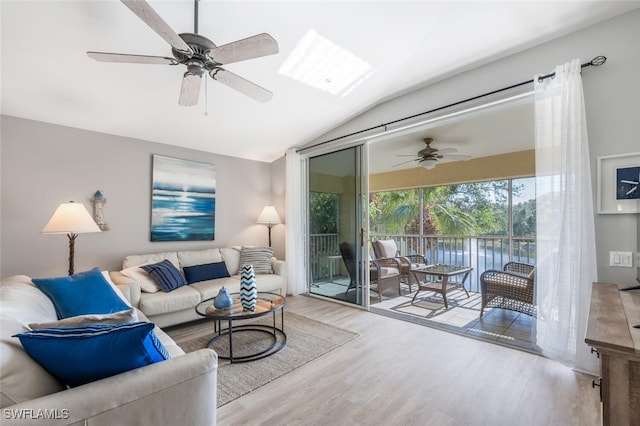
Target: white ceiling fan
428,157
199,54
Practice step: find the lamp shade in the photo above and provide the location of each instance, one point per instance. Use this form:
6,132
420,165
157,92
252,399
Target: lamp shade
70,218
269,215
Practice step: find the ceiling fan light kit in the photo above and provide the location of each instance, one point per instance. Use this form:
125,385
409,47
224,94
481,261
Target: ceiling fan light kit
429,163
199,54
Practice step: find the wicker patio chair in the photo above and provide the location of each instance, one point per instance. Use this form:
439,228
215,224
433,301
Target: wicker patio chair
383,273
512,288
385,249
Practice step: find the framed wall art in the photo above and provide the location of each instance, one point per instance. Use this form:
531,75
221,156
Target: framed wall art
619,184
183,200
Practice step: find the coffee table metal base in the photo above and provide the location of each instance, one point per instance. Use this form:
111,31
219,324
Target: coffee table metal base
277,335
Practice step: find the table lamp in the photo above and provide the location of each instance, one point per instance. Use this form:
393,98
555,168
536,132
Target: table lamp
71,219
269,216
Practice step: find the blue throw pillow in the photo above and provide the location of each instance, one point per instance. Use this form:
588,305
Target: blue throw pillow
81,294
165,275
83,354
208,271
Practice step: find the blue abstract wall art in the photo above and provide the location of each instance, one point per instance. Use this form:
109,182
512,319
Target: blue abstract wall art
183,201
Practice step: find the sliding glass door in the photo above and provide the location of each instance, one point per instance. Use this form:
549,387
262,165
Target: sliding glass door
335,194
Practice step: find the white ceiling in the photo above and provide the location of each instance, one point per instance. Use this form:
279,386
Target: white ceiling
47,76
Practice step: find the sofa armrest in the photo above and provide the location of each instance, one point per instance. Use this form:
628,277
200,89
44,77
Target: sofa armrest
129,287
178,391
280,268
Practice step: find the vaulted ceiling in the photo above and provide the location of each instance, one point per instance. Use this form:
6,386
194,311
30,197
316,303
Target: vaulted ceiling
47,76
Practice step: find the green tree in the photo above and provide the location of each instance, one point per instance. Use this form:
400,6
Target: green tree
323,215
524,219
398,212
480,208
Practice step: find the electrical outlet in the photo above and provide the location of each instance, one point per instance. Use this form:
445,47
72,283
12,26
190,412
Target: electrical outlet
622,259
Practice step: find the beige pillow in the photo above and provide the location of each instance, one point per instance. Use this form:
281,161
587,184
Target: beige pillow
113,318
144,280
259,257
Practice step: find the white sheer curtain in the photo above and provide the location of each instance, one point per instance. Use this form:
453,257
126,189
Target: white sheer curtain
566,249
295,233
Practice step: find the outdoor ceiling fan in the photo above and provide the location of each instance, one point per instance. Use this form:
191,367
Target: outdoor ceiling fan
428,157
199,54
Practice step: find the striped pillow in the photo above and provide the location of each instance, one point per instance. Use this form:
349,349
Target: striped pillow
259,257
165,275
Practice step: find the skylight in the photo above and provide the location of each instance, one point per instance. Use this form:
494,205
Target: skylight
320,63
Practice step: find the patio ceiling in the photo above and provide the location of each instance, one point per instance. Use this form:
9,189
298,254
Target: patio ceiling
484,134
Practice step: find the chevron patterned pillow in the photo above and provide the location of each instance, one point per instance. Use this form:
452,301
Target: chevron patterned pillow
259,257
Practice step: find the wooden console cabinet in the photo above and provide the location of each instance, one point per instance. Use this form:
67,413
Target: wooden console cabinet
610,331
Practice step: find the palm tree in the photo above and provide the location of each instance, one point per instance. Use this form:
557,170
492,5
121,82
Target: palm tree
398,212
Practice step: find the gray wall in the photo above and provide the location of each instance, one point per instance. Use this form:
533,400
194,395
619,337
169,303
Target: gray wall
612,97
43,165
278,187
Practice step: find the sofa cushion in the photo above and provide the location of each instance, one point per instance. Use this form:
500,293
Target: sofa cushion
167,276
159,303
121,317
209,289
21,378
259,257
83,354
208,271
142,277
231,257
147,259
199,257
269,283
80,294
385,248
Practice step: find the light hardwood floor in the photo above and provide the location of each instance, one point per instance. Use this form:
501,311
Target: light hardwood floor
399,373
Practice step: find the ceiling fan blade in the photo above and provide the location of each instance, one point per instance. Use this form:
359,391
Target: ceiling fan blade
406,155
405,162
446,150
241,50
456,157
190,90
157,24
131,59
238,83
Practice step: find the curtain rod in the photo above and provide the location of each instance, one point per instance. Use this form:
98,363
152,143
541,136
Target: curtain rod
595,62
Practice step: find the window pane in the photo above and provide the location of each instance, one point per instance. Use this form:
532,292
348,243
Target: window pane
524,207
323,216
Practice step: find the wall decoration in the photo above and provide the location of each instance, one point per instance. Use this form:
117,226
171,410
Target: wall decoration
619,184
98,202
183,200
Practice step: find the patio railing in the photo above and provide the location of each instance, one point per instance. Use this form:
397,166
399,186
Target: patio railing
479,252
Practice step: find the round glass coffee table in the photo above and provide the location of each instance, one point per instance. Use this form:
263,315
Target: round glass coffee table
267,303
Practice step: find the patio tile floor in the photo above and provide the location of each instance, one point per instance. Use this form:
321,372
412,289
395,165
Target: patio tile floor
500,326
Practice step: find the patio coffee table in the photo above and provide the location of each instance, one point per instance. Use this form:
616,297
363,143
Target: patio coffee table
267,303
441,285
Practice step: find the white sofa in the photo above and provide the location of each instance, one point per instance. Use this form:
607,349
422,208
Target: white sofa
181,390
178,306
